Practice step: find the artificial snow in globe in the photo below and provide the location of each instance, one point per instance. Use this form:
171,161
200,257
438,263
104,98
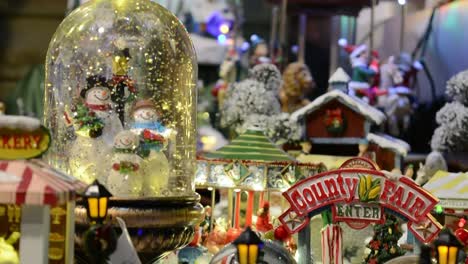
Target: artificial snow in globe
120,98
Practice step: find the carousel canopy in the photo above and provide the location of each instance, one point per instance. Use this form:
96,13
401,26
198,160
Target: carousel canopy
33,182
450,188
253,162
253,145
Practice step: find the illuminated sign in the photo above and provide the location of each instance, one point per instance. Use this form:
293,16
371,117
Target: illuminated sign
359,195
23,144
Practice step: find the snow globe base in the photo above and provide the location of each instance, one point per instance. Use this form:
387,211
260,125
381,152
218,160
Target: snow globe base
157,226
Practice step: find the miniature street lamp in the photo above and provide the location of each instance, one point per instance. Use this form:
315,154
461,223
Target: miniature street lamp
248,246
97,201
447,247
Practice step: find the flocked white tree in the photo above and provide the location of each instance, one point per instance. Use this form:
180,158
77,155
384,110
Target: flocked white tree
452,133
254,101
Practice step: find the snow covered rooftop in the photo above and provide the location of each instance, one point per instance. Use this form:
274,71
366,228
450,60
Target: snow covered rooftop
339,76
352,102
19,122
386,141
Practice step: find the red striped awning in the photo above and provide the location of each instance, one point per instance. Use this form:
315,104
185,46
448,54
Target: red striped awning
33,182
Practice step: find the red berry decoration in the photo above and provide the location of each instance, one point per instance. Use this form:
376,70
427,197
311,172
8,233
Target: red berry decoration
116,166
281,233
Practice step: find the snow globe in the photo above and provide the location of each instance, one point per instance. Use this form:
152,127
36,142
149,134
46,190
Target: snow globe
124,72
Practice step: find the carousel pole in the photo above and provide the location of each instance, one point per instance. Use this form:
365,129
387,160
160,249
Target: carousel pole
213,202
237,209
230,206
282,36
402,27
273,32
372,24
249,210
302,37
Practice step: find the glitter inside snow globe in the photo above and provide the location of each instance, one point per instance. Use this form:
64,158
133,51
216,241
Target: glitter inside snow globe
120,99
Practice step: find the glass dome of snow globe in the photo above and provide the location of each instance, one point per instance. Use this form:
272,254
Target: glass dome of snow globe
120,99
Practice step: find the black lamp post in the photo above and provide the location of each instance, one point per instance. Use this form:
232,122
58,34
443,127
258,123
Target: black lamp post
97,201
248,247
447,247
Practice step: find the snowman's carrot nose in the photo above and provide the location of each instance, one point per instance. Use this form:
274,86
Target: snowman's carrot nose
104,93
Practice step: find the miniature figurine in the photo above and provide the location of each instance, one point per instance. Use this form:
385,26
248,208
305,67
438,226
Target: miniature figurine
8,254
297,81
434,162
363,71
95,125
263,218
154,138
125,178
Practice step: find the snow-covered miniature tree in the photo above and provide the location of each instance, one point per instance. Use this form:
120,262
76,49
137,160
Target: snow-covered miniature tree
254,101
452,133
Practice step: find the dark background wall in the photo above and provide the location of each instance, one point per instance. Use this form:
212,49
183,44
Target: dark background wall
26,27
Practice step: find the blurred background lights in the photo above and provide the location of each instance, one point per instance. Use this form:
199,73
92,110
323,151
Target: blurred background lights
224,28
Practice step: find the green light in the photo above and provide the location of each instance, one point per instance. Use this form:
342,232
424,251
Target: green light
439,209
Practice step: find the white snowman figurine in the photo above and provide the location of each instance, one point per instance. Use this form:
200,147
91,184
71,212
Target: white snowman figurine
126,175
155,139
95,124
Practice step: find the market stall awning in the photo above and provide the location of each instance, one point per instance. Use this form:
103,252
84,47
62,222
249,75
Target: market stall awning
253,145
450,188
33,182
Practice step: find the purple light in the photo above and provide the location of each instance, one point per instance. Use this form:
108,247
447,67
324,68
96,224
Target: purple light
217,24
245,46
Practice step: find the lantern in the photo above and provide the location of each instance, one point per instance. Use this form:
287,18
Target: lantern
97,201
447,247
248,247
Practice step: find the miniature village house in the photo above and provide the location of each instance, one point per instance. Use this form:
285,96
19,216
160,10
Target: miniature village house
389,151
339,123
337,118
36,201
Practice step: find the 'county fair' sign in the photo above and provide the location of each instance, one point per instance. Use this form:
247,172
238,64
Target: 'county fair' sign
358,196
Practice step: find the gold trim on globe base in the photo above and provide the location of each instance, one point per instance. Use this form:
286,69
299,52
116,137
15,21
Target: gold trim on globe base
157,226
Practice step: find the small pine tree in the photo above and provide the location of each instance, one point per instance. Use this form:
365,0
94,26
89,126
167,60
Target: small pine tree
452,133
254,101
384,244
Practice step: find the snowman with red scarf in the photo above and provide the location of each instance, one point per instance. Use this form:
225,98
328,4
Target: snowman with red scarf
126,175
155,139
95,125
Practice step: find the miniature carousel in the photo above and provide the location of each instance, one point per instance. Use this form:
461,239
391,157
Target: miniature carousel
120,104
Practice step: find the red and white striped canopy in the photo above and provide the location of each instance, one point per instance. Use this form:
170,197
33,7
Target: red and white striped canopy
33,182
